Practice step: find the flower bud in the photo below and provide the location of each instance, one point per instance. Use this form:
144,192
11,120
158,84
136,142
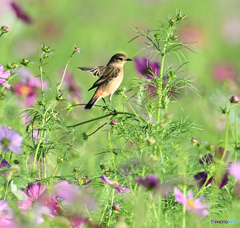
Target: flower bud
171,21
225,110
60,159
59,97
234,99
25,62
157,37
194,141
76,169
4,29
45,56
42,103
76,48
151,141
107,172
113,122
168,116
180,17
46,49
116,207
54,115
102,166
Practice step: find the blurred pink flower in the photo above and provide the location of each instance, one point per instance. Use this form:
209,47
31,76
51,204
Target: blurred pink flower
117,186
27,89
6,216
4,75
191,33
77,221
72,88
234,170
10,140
231,30
225,71
20,13
147,69
34,190
190,203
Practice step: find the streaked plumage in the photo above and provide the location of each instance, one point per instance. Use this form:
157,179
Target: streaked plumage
110,79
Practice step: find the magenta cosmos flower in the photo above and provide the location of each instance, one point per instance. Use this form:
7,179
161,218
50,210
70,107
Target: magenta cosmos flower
207,160
10,140
117,186
147,69
73,89
34,190
3,76
27,88
198,207
6,215
20,13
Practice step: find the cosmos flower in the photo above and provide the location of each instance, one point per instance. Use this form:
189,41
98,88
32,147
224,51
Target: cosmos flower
147,69
27,89
225,71
10,140
6,215
3,75
196,205
150,182
208,159
4,163
20,13
34,190
234,170
117,186
73,89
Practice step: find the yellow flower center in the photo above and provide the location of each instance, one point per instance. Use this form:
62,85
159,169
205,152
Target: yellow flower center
190,203
25,90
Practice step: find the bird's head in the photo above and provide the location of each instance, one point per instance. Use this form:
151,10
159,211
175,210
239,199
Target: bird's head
119,59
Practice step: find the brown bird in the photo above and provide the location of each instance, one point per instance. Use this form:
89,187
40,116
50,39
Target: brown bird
110,79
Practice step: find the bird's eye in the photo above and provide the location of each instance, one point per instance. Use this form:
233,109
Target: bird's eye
120,59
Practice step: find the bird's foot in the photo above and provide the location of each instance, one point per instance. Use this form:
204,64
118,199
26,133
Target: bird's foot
114,112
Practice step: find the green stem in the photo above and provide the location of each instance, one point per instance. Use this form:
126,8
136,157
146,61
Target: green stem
203,187
36,152
226,139
101,117
236,134
41,76
133,110
6,190
111,211
65,69
184,209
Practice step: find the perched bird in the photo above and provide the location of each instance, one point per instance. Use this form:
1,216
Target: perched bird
110,79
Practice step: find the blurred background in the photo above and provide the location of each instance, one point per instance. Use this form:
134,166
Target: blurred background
103,28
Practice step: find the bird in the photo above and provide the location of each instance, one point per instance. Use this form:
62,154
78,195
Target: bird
110,78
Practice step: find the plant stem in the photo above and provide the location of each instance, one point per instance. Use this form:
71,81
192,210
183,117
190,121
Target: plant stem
236,134
133,110
65,69
101,117
226,138
36,152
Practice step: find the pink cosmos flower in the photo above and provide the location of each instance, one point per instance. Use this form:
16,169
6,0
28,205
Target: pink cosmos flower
117,186
27,89
3,75
34,190
6,216
72,87
20,13
147,69
234,170
190,203
10,140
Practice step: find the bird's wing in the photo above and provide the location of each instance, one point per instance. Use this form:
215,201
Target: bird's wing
95,71
109,74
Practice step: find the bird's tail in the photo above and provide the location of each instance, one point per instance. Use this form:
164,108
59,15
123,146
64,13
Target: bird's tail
93,100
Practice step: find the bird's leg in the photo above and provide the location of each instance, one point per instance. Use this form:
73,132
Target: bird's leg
114,110
105,102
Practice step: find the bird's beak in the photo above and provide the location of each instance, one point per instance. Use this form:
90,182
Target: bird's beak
128,59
